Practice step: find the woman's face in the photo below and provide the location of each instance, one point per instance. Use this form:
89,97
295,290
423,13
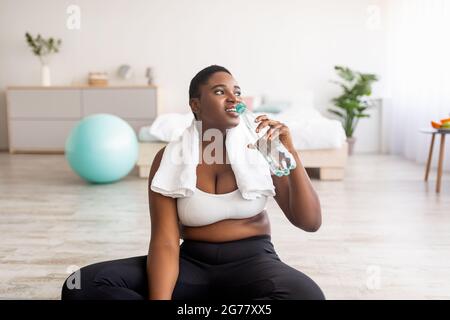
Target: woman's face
221,92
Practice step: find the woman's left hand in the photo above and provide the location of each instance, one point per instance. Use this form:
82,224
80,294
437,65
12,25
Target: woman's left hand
277,129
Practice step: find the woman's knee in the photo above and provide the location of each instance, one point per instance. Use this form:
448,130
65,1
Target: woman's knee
298,286
80,284
97,281
71,288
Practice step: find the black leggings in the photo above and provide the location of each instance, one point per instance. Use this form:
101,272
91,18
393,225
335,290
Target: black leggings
241,269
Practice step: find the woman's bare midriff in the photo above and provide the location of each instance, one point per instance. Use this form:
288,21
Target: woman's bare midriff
220,179
228,230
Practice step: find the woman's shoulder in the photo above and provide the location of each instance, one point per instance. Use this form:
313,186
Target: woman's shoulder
156,162
159,154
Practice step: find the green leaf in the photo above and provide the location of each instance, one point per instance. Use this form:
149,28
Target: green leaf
41,46
345,73
361,109
340,114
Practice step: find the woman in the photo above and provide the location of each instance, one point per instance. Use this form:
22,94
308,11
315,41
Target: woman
229,258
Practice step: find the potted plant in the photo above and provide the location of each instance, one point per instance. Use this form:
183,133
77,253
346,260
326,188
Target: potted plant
43,48
353,102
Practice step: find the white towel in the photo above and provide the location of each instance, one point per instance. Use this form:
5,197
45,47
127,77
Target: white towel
177,173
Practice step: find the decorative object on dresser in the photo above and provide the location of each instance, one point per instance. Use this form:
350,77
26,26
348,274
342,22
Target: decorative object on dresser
98,79
353,102
43,48
125,72
40,119
149,75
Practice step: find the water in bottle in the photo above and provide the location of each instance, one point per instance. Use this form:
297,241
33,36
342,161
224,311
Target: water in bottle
280,160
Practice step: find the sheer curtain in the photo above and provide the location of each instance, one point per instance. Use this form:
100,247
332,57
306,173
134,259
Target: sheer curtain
418,75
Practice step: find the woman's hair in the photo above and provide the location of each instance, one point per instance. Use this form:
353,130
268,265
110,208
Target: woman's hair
202,78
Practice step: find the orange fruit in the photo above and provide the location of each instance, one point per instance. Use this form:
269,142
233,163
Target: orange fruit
435,125
445,120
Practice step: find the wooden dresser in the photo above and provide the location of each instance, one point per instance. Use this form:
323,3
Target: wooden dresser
41,118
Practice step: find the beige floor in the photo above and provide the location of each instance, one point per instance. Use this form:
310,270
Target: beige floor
385,233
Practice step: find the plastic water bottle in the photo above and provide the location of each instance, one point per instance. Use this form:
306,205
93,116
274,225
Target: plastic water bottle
280,160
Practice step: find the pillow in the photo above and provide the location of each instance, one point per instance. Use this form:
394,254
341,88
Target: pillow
273,106
146,136
169,126
297,113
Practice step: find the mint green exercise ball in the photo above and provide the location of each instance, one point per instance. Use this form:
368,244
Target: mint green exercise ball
102,148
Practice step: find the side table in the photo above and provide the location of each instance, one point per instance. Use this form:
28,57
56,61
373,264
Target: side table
433,133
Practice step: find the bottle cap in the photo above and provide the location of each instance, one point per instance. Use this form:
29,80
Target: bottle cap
241,107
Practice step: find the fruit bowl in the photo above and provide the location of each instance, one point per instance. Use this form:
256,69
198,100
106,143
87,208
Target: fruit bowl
443,125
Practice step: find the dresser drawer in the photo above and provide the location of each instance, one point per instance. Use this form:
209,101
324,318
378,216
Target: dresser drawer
39,135
44,104
125,103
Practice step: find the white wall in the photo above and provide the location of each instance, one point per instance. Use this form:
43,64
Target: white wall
272,47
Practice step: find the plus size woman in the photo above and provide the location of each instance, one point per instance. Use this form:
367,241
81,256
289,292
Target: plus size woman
226,252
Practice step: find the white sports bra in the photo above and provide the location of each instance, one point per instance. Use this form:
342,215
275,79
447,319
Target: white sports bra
204,208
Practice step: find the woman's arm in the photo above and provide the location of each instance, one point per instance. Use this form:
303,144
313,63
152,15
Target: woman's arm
164,248
294,193
296,197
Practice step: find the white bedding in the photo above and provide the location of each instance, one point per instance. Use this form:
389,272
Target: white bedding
309,129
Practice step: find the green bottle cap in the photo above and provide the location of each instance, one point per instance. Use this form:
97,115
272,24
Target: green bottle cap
240,108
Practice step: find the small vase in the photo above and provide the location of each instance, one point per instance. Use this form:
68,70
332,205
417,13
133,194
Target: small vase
351,143
45,75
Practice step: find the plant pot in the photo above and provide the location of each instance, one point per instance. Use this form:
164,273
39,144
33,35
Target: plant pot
45,75
351,143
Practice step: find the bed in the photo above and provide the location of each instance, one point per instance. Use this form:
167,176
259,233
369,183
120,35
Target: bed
319,141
